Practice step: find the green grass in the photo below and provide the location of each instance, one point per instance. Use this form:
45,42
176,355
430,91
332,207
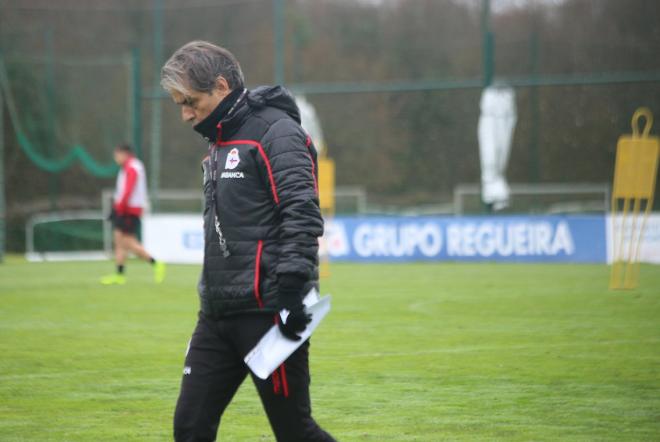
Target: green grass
422,352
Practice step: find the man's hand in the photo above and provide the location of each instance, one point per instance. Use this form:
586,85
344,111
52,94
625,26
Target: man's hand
295,323
290,298
122,208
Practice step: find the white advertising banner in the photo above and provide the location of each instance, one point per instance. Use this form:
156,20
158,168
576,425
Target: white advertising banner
179,238
174,238
649,246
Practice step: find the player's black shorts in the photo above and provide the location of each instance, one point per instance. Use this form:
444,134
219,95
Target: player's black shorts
126,223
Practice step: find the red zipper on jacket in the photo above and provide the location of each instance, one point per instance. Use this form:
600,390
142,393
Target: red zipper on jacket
257,273
280,382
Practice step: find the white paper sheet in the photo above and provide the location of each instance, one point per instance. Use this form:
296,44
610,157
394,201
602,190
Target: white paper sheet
274,348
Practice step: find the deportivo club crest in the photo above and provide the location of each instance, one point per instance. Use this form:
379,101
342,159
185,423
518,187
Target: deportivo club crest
232,159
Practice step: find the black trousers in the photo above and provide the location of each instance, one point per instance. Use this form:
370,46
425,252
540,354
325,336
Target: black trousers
214,369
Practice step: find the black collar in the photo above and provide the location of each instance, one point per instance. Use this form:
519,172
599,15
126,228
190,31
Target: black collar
208,127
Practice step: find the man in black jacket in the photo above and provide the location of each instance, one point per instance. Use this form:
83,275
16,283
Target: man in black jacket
261,227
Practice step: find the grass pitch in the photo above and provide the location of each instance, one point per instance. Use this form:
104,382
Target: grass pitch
419,352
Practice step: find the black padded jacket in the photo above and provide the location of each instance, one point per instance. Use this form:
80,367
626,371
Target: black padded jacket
263,167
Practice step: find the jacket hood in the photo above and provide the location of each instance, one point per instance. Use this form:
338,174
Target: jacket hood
274,96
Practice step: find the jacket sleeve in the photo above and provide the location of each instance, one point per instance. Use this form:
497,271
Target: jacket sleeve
289,169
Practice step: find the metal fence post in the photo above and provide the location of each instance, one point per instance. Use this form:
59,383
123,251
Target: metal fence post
2,178
278,41
156,105
488,49
136,101
534,163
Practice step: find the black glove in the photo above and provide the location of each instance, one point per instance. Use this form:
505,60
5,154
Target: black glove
290,297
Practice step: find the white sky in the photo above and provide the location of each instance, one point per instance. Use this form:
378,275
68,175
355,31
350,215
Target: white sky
499,5
496,5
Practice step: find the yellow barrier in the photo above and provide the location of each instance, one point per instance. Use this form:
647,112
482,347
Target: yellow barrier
327,200
635,175
327,185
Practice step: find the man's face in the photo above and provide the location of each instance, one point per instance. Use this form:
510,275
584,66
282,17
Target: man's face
196,105
120,157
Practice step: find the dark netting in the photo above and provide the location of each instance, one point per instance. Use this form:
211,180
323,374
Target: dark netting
396,85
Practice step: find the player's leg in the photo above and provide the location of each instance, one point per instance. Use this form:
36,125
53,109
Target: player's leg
212,373
120,250
285,397
120,259
135,246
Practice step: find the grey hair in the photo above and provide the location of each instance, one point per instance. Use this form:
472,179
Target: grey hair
197,65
